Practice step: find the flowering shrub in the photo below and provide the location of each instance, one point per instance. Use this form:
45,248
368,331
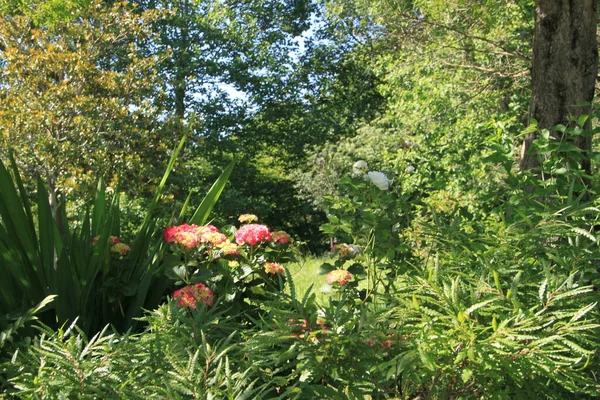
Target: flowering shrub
237,264
366,219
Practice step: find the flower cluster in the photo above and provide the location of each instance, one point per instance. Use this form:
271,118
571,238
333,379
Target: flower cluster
189,296
340,276
274,268
116,246
230,262
247,218
191,236
252,234
120,248
377,178
228,248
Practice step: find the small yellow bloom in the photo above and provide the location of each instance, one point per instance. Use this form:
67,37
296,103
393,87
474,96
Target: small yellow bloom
247,218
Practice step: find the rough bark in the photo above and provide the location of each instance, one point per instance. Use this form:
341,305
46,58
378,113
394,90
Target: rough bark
564,68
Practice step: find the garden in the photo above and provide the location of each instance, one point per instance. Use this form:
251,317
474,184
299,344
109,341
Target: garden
296,200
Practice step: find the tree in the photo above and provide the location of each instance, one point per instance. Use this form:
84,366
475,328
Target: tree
564,71
77,99
242,44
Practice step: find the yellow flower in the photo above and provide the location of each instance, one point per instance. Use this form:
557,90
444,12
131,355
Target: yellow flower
247,218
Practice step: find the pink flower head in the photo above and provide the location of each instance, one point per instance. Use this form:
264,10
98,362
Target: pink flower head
340,276
247,218
190,295
280,237
274,268
252,234
228,248
120,248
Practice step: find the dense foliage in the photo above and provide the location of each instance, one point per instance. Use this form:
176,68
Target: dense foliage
386,132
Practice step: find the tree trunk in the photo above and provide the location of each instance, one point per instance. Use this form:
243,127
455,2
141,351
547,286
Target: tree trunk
564,69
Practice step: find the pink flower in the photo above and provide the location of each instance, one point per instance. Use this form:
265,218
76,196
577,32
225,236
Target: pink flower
340,276
190,295
120,248
274,268
247,218
280,237
252,234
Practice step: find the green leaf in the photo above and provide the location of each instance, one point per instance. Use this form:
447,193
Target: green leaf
583,312
356,269
477,306
466,375
582,120
326,268
203,211
585,233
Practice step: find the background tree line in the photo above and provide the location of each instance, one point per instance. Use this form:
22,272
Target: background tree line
296,90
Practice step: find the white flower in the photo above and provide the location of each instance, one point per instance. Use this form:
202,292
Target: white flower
410,169
359,168
379,179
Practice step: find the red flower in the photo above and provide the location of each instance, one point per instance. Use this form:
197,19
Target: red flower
252,234
190,296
